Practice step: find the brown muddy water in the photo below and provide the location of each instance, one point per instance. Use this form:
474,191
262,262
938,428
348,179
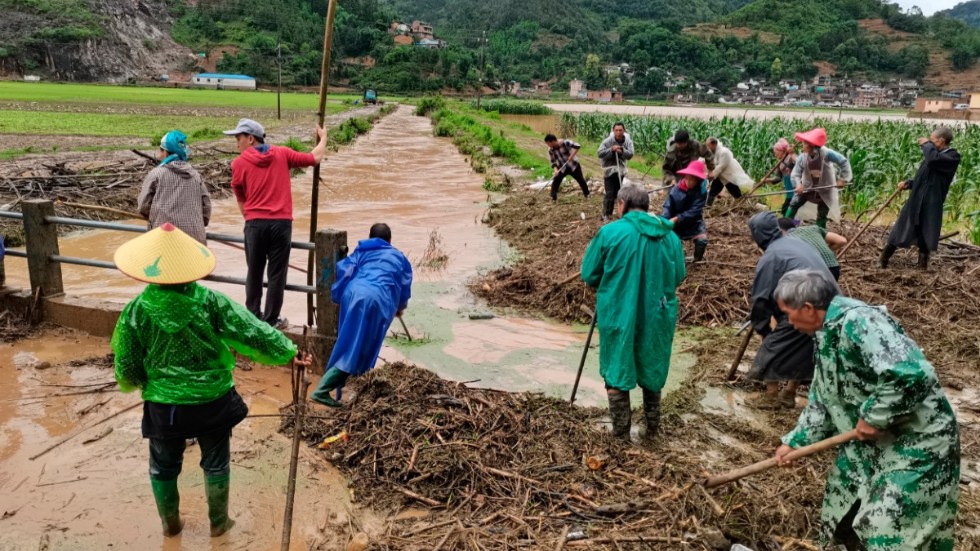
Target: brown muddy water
96,496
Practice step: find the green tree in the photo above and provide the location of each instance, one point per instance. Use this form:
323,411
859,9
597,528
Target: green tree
592,73
776,70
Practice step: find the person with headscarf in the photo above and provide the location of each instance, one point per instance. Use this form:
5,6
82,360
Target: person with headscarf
613,153
921,220
818,174
174,192
786,157
786,355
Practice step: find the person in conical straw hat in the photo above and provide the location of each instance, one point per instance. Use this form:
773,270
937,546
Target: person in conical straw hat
174,343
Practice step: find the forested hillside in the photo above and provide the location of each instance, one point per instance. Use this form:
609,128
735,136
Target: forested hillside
967,12
720,41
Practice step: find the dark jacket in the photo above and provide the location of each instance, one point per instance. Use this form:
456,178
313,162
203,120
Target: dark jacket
677,160
688,207
925,205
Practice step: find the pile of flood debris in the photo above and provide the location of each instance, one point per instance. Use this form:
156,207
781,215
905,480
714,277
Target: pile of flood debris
502,470
95,190
934,306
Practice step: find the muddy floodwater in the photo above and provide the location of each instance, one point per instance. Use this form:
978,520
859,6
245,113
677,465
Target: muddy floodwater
426,191
97,496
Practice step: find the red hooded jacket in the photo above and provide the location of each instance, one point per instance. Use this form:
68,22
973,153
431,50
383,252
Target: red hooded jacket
260,179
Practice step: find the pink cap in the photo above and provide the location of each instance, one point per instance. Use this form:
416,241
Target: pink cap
696,169
816,137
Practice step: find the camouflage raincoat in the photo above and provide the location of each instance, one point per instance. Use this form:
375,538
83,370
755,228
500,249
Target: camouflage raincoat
905,486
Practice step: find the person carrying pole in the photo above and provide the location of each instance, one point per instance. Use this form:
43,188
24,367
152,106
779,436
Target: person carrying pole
373,286
921,220
262,185
784,169
897,486
684,207
562,154
174,192
727,174
175,342
614,151
818,174
786,355
636,264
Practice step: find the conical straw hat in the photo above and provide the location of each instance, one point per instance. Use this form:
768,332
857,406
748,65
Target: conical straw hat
164,256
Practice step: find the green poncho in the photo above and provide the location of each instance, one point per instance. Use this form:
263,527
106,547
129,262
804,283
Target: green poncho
908,483
174,343
637,264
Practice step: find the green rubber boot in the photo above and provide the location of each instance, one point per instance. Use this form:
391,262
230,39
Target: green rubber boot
332,379
168,505
217,490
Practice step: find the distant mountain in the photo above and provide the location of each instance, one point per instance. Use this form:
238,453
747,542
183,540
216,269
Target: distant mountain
968,12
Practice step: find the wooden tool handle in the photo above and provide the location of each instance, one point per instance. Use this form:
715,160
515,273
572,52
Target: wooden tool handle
761,466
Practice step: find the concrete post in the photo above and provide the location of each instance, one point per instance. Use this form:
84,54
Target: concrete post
42,242
330,248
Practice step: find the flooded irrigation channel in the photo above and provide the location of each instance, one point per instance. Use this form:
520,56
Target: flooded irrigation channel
96,495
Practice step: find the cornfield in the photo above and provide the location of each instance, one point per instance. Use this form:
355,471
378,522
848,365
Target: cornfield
881,153
514,107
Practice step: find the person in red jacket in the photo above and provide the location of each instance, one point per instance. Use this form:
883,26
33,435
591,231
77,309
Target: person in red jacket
261,183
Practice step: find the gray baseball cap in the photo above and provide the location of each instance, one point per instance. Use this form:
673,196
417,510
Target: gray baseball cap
247,126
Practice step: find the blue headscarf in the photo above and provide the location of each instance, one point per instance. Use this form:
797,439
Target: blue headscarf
175,143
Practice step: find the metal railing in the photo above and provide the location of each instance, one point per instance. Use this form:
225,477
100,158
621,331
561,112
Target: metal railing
96,224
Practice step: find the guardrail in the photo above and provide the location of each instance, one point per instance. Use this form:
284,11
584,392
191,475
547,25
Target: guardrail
44,258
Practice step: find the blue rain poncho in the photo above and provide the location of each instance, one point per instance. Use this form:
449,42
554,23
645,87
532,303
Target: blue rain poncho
373,283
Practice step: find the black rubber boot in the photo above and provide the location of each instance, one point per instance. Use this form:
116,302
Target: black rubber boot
923,259
710,201
886,254
651,412
619,411
700,246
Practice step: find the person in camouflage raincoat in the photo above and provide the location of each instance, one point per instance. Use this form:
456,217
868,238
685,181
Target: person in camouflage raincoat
896,488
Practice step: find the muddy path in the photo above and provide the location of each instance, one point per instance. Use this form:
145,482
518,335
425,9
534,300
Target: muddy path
96,495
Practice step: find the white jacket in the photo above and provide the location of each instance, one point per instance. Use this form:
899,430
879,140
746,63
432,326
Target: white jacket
728,169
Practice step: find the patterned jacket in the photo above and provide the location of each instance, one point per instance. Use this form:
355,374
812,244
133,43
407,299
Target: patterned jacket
175,193
908,482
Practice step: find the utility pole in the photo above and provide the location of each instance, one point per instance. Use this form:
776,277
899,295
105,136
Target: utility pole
279,89
483,47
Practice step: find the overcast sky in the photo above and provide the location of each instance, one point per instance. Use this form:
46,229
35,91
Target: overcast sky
928,7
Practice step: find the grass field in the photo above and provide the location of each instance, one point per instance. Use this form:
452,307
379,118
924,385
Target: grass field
94,93
96,124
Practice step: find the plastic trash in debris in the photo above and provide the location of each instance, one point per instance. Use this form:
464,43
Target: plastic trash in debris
740,547
596,462
342,435
575,535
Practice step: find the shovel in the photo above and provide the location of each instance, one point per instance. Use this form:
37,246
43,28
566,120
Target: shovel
585,352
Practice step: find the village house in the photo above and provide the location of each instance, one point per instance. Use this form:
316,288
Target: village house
576,89
932,105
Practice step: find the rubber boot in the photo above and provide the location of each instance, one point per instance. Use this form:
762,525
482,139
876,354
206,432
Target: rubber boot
651,412
621,414
822,222
700,246
886,255
923,259
332,379
710,201
168,505
217,489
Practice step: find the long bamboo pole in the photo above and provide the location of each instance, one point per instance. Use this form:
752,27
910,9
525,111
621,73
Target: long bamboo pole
321,114
870,221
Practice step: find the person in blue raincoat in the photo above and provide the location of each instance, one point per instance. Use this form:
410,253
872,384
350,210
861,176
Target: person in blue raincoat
373,286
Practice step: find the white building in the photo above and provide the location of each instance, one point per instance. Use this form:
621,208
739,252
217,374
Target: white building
221,81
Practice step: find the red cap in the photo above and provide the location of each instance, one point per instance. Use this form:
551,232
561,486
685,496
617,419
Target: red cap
816,137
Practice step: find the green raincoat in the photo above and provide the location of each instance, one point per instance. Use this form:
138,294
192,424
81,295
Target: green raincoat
174,343
908,483
636,263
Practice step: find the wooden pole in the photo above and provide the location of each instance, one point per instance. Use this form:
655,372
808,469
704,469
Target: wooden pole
761,466
761,183
741,352
585,352
298,415
867,225
321,113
